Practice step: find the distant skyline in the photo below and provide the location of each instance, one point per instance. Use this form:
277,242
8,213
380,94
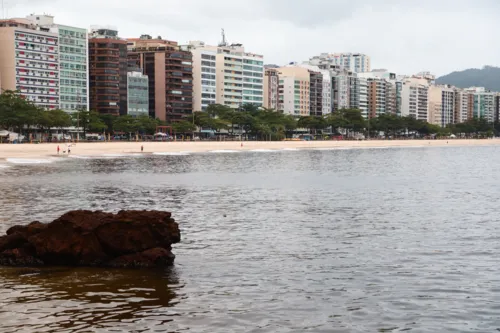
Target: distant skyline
405,38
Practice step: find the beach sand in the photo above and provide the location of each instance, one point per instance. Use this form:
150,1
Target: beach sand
103,148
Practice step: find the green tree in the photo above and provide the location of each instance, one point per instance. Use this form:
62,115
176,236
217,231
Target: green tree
16,112
184,127
59,118
126,124
88,121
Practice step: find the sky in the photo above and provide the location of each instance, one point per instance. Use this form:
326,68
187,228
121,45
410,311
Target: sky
404,37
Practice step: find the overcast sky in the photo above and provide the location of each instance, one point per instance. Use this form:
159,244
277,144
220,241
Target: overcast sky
435,35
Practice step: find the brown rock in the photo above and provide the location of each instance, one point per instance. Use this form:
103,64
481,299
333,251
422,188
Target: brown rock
12,241
32,228
157,257
19,257
128,239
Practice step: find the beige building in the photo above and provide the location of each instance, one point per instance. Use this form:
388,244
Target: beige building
435,105
29,61
238,75
294,90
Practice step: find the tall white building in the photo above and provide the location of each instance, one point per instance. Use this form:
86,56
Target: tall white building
204,75
415,98
73,62
327,93
464,105
238,75
355,62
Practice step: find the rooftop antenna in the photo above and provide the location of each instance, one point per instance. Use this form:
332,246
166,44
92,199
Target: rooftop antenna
224,43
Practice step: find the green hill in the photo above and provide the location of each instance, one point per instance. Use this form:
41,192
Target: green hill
488,77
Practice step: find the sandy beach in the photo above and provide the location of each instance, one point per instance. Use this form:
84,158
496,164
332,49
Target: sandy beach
96,149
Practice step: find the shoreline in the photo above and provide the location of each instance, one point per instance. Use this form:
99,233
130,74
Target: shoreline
44,150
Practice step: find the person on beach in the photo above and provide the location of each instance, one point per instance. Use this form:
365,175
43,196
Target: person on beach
58,149
142,148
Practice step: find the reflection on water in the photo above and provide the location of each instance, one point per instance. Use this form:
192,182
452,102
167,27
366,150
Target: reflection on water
83,299
358,240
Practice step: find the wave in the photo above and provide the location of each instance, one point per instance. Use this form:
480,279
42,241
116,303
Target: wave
173,153
263,150
329,148
224,151
4,166
290,149
104,156
80,157
112,155
29,160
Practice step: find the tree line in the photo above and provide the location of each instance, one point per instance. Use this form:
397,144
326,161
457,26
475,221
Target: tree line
18,114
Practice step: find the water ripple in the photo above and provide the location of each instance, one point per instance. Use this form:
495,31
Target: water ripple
358,240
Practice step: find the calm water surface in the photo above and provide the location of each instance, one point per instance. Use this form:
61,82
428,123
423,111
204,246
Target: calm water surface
362,240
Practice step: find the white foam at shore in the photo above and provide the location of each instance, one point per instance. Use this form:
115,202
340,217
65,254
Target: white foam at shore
331,148
29,161
112,155
80,157
224,151
3,166
173,153
104,156
263,150
290,149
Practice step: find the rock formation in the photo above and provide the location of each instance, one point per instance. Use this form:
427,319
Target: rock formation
86,238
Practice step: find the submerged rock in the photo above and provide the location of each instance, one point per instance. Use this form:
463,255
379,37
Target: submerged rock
86,238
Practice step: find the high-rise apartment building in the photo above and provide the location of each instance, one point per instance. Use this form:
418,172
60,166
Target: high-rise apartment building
137,93
382,92
108,71
73,62
483,103
327,92
415,98
29,61
170,72
497,107
377,97
239,75
354,62
326,88
339,89
464,105
316,93
359,94
271,83
204,75
294,90
442,103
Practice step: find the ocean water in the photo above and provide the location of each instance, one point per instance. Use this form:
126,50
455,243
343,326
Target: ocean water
353,240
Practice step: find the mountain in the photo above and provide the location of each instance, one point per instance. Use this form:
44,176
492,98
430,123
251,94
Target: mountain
488,77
